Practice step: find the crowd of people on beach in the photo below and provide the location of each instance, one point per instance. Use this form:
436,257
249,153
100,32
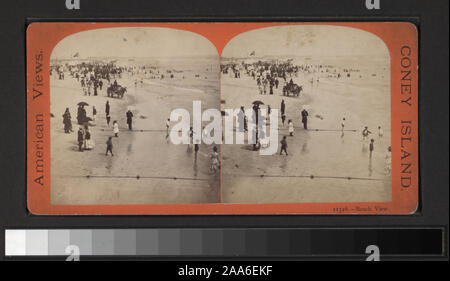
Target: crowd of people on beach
268,76
92,78
271,72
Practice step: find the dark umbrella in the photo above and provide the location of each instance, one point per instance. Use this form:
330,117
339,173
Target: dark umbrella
258,102
82,103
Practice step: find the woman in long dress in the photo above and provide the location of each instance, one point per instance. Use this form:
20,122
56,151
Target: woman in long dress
67,121
88,142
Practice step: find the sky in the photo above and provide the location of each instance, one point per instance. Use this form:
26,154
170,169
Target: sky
151,42
134,42
306,40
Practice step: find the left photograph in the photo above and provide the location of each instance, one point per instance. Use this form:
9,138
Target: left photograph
112,91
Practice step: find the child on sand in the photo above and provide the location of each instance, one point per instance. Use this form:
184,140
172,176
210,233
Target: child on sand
109,146
87,139
80,138
116,128
291,127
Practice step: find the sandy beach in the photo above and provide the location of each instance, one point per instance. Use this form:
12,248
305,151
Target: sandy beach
324,164
342,72
146,168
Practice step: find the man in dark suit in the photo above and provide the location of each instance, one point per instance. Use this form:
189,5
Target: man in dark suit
305,119
130,120
107,108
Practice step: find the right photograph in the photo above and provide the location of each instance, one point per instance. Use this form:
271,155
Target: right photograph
330,87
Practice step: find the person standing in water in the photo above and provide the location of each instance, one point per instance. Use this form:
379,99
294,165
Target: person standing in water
108,119
67,121
94,113
167,126
107,108
80,115
214,160
87,139
130,120
116,128
191,140
109,146
366,132
196,149
283,118
380,132
305,119
205,133
388,161
371,147
245,123
191,135
240,118
291,127
80,139
283,146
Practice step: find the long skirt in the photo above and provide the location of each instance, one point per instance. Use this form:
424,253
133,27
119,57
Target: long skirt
89,144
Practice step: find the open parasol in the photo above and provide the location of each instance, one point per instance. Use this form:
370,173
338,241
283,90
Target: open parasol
82,103
257,102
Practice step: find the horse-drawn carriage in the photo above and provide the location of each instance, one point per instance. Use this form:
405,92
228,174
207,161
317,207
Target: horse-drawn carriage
116,91
292,89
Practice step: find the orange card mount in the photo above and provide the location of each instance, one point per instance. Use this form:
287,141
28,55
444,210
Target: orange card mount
105,102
